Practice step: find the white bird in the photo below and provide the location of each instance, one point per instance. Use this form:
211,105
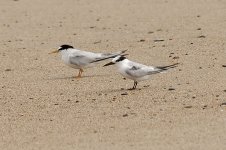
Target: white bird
135,71
79,59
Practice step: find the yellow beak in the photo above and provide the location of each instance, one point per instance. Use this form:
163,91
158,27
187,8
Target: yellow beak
56,51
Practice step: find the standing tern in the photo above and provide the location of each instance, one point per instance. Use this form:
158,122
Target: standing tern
79,59
136,71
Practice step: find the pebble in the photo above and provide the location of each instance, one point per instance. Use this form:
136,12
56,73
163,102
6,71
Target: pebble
171,89
176,57
142,40
125,115
158,40
202,36
150,32
204,107
8,70
124,93
188,107
97,42
224,104
94,131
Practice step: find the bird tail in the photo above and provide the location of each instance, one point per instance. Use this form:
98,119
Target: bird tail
162,69
112,55
105,56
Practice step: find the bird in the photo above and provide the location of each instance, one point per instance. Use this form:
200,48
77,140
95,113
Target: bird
136,71
79,59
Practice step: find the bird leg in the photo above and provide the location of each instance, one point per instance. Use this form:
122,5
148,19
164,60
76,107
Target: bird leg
134,85
79,73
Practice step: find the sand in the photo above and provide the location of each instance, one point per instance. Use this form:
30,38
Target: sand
43,107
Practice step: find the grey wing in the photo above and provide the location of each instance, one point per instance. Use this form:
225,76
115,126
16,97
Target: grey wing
140,70
83,58
143,71
104,56
110,55
136,71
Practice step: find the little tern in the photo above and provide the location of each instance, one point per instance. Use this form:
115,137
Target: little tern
79,59
136,71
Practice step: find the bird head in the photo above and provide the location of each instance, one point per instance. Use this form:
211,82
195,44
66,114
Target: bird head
61,48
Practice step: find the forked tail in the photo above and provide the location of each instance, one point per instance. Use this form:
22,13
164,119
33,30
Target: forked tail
112,55
163,68
105,56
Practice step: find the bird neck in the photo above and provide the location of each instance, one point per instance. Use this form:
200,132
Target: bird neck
123,62
63,52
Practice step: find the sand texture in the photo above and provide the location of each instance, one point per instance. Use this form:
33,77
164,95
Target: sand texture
43,107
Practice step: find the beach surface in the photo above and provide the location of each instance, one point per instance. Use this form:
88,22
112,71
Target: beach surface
43,107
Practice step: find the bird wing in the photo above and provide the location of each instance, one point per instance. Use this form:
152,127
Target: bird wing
138,70
104,56
111,55
84,58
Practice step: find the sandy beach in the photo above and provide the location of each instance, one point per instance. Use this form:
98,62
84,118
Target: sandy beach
43,107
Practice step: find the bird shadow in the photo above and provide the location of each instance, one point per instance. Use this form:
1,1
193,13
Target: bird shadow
74,78
123,90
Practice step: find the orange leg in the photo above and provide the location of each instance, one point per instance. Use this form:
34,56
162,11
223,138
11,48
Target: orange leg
79,73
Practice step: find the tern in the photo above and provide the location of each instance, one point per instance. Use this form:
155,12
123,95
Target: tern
136,71
79,59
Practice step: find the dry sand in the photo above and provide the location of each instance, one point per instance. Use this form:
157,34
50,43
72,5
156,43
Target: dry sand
43,107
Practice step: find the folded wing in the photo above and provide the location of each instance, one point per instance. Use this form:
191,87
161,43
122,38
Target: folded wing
85,58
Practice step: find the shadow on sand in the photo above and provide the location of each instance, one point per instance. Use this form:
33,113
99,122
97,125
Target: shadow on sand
73,78
124,90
